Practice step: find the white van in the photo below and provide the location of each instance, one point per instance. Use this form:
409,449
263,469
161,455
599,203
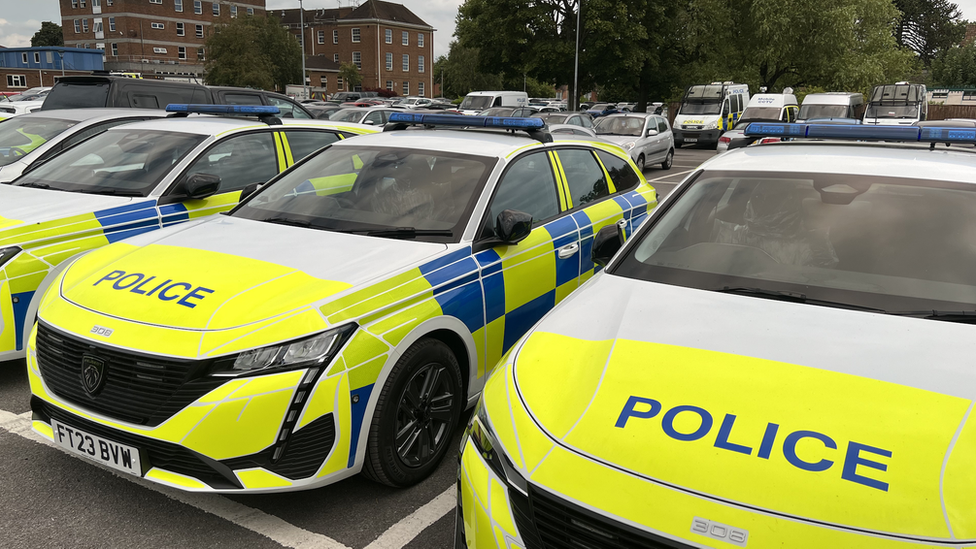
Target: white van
478,101
895,104
707,111
831,105
772,106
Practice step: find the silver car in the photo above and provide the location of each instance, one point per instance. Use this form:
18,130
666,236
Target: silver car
375,116
647,137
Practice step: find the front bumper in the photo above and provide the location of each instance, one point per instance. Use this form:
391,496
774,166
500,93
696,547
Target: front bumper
700,137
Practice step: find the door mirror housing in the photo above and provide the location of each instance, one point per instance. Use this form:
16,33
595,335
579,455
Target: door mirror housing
201,185
370,122
606,243
512,226
249,190
651,133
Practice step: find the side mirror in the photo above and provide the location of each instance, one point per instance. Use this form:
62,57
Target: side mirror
651,133
606,243
512,226
370,122
201,185
249,190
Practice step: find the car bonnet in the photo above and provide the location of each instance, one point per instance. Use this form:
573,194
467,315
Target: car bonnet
832,417
226,272
24,206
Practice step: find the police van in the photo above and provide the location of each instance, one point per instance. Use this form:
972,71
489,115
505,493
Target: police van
707,110
831,105
478,101
772,106
895,104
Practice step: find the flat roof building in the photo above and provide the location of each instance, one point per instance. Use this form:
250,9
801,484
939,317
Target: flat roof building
23,68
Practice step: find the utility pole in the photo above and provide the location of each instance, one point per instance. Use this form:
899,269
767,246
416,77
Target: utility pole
301,11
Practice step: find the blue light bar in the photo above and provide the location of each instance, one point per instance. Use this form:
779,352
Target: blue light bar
222,109
863,132
509,123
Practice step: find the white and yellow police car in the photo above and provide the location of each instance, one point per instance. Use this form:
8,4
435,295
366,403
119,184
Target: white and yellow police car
132,179
338,320
776,359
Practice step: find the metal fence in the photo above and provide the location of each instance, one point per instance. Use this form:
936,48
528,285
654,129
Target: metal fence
942,112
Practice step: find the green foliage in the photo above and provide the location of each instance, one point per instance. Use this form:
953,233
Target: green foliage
48,35
254,52
461,72
956,67
929,27
350,75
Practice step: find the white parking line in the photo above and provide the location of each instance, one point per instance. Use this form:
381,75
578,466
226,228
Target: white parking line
413,524
671,175
254,520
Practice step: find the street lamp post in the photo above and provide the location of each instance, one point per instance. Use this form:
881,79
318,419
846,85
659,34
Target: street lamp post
574,101
301,11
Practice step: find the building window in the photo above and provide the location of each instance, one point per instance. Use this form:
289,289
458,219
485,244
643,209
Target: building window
178,4
74,4
84,25
82,3
323,82
233,12
77,26
406,89
201,54
115,50
16,81
389,85
96,3
357,59
23,57
355,35
389,36
216,8
180,29
338,82
111,24
250,11
157,26
150,1
97,26
198,7
389,61
199,31
406,63
335,36
335,57
321,36
420,63
420,89
181,52
420,39
108,2
405,38
159,50
37,57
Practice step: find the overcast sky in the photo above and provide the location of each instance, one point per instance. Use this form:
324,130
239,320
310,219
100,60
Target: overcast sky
19,20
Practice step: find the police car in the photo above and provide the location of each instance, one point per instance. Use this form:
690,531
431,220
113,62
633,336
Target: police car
338,320
778,358
132,179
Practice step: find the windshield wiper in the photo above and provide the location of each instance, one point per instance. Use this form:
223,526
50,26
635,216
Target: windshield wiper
33,185
110,192
793,297
402,232
288,221
962,317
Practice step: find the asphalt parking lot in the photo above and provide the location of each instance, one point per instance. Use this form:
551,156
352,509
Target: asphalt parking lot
52,499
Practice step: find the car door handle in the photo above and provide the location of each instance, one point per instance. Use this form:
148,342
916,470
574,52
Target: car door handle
568,250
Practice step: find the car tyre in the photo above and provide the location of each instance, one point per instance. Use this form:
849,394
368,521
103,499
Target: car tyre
640,163
416,415
668,160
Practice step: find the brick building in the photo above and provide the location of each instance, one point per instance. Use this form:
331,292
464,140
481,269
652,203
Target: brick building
23,68
393,48
152,37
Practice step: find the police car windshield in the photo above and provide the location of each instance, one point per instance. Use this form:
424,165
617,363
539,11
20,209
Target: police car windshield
121,162
355,189
21,135
891,111
698,107
869,242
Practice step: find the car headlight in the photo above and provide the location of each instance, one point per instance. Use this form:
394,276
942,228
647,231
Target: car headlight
712,125
312,351
6,254
629,145
483,438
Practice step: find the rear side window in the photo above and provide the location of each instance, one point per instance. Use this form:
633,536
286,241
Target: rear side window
149,96
241,99
287,108
585,178
77,95
624,177
143,101
239,161
304,143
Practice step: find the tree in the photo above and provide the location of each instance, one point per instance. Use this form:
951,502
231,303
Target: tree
254,52
350,74
956,67
929,27
462,73
48,35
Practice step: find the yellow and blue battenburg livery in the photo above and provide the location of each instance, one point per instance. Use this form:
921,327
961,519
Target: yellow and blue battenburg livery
128,181
337,321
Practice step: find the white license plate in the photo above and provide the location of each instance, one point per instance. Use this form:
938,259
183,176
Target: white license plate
691,140
117,456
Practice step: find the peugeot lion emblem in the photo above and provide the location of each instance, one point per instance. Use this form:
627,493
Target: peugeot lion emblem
92,373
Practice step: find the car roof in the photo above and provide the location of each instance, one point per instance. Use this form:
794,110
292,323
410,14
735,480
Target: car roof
489,143
867,159
215,125
79,115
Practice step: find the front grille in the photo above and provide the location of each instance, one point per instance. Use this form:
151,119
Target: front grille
152,453
139,389
546,521
692,127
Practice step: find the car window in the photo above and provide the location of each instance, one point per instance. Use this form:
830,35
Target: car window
242,99
662,125
587,121
528,186
287,108
375,117
586,180
304,143
95,129
623,176
239,161
21,135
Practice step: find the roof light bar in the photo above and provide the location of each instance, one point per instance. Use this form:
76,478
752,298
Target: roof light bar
508,123
222,109
863,132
